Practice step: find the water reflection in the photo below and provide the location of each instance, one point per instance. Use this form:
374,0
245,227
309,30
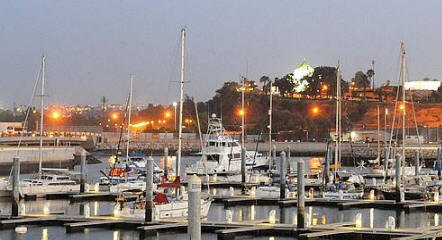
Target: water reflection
44,234
371,218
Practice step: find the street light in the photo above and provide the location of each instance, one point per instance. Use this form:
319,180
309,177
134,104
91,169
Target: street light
167,114
55,115
315,110
174,114
241,112
114,116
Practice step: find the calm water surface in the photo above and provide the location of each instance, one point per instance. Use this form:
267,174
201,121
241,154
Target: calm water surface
375,218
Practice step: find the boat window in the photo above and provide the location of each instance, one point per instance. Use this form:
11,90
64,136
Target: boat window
223,144
63,178
212,144
235,155
230,144
213,157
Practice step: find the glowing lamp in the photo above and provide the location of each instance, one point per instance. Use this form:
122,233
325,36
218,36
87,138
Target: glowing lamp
55,115
315,110
114,116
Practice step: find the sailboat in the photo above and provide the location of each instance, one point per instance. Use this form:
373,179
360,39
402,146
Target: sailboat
348,181
47,180
167,206
128,173
414,192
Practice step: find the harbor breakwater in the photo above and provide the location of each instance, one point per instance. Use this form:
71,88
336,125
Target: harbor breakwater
58,157
350,151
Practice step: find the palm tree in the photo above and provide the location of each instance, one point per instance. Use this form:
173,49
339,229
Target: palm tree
361,81
265,80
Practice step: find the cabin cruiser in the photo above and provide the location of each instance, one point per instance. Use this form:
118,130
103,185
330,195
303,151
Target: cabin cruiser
222,153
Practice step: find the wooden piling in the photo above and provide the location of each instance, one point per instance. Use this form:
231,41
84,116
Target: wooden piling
148,217
398,178
243,169
301,193
282,175
83,171
15,186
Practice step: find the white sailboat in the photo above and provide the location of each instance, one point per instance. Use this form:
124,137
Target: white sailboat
47,180
163,209
165,206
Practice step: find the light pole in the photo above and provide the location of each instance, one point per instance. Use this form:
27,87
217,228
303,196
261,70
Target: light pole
174,114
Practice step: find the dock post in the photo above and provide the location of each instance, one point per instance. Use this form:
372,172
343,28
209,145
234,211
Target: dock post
289,157
148,216
282,175
398,178
326,173
243,169
301,193
83,171
416,163
273,159
439,163
166,160
15,186
386,157
194,209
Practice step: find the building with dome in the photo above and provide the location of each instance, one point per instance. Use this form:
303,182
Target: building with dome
301,71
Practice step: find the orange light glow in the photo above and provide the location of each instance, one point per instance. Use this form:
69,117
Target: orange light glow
324,88
315,110
402,107
55,115
167,114
114,116
141,124
241,112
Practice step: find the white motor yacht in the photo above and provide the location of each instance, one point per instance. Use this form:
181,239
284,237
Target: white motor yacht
222,153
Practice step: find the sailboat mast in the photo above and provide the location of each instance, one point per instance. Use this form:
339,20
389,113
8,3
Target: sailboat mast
43,73
403,75
242,110
270,122
180,121
338,103
129,108
378,134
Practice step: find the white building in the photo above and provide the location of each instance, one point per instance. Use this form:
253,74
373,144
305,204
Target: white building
301,71
10,128
429,85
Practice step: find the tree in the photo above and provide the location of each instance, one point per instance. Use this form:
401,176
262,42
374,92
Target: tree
285,84
323,76
370,74
361,81
265,80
